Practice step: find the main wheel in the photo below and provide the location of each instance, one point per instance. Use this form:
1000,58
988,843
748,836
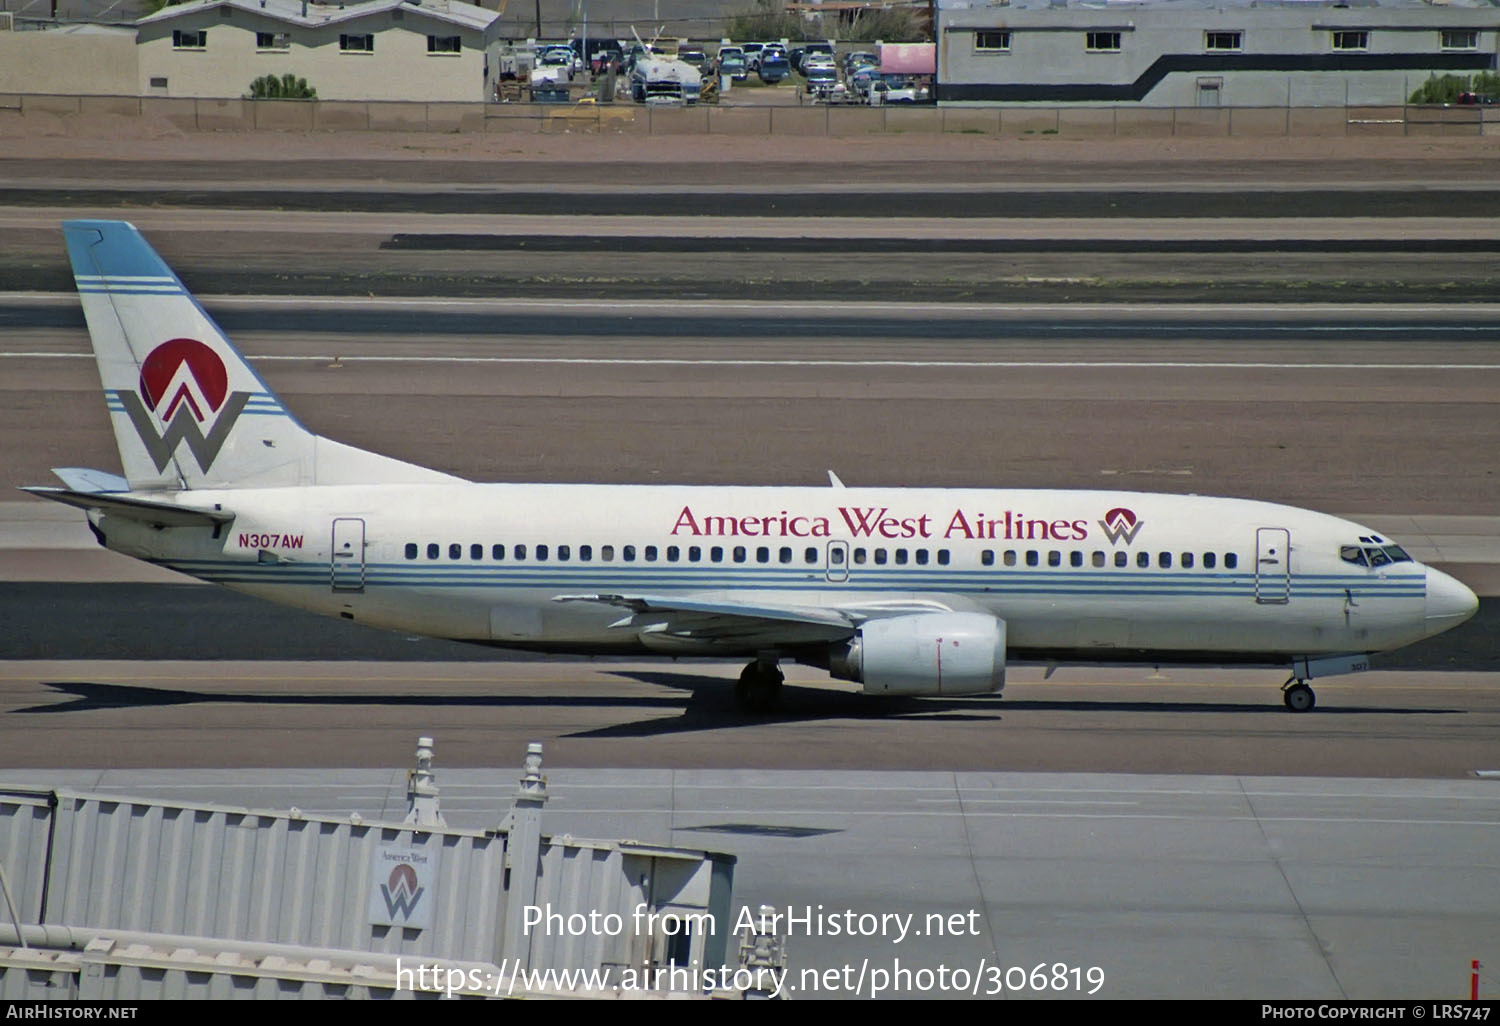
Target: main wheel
758,688
1299,697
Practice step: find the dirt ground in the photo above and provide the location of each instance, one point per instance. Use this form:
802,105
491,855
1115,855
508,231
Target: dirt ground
1475,160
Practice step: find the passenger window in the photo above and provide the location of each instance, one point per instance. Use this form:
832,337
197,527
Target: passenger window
520,551
650,553
1032,558
585,553
1054,558
564,552
476,551
1075,558
716,554
921,555
455,551
1143,560
1209,561
411,550
695,554
942,557
987,557
1098,558
1231,561
880,557
836,557
901,556
810,555
739,553
627,553
860,555
1187,560
1122,559
607,553
785,554
1164,561
541,552
497,551
762,554
672,553
1010,557
432,551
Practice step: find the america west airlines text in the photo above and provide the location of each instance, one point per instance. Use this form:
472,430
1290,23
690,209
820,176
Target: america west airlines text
879,522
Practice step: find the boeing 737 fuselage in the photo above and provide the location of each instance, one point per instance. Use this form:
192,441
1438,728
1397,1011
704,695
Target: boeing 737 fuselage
906,591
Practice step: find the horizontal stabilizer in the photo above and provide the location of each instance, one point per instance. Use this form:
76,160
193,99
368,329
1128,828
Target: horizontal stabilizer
85,479
157,514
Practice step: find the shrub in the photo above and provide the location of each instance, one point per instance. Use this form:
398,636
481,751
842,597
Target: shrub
287,87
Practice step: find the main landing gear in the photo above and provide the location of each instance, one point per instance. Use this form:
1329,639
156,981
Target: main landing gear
759,686
1297,695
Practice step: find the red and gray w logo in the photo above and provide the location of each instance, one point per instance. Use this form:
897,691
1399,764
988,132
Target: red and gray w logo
1121,524
186,385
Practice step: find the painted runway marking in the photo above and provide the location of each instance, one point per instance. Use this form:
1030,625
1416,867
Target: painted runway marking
906,364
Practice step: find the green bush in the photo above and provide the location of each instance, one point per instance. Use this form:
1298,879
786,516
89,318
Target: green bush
1448,88
287,87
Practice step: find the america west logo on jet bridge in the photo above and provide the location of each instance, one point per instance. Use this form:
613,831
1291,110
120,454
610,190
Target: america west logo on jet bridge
184,384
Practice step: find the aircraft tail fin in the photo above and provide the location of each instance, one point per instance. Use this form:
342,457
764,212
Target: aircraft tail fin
187,410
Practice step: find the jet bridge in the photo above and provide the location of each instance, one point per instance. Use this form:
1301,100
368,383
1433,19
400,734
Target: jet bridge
113,897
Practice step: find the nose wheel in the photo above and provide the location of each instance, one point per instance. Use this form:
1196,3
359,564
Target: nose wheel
1298,696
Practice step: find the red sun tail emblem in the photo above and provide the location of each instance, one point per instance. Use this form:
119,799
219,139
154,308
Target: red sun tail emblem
184,371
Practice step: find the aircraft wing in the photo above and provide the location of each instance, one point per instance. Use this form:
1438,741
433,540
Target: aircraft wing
725,622
158,514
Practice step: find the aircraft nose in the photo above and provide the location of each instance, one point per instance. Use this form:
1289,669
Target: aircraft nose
1449,602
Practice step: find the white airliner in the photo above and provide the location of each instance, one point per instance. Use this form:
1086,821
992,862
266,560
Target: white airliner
909,591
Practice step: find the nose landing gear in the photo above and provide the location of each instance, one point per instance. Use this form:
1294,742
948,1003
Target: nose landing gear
1297,695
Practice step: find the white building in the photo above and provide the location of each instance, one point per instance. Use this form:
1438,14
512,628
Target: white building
430,50
1178,53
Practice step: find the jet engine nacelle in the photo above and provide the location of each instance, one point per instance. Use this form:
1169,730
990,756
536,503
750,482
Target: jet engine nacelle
925,654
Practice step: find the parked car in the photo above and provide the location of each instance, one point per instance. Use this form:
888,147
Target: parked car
773,66
752,54
731,62
813,49
821,79
693,55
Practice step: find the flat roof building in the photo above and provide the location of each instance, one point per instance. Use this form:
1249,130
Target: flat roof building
431,50
1178,53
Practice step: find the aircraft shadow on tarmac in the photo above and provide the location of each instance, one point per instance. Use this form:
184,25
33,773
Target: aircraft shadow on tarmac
707,704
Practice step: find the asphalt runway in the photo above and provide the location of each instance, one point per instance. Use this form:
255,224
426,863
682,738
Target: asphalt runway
1332,409
228,713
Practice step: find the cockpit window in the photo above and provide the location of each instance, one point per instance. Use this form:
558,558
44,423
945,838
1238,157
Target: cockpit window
1373,555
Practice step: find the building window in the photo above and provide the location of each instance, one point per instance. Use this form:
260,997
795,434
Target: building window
189,40
1351,40
1103,42
273,40
1223,40
992,42
444,44
1460,39
356,44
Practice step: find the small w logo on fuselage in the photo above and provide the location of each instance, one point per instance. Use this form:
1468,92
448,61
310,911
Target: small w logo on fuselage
1121,524
183,383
